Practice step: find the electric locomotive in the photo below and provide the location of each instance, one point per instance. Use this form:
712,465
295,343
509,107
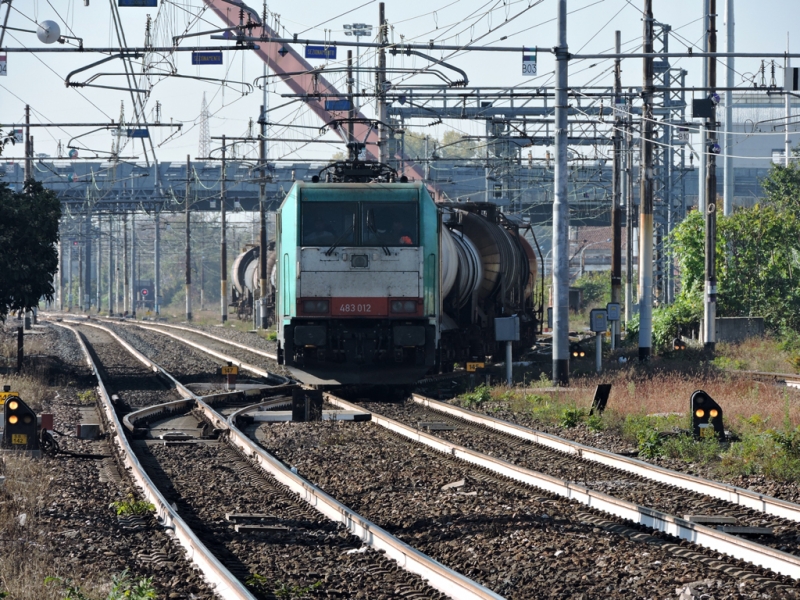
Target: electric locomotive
376,284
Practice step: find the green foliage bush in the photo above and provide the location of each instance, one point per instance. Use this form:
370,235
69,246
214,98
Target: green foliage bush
570,417
475,398
132,506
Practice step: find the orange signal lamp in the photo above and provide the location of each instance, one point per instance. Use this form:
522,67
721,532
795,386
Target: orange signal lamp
13,419
699,413
713,412
13,405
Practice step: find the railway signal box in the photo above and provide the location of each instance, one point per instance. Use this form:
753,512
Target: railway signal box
706,414
21,427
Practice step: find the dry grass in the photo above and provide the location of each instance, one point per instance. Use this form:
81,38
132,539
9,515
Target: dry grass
28,552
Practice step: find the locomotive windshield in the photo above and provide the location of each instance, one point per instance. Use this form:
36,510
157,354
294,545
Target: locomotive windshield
328,223
388,224
359,224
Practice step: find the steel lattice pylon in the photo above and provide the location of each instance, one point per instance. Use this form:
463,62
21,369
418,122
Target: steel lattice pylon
204,144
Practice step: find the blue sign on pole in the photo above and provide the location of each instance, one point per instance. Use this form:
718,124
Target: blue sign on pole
207,58
321,52
142,3
337,105
138,133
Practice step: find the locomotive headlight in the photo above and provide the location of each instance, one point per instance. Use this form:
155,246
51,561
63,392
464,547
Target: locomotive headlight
404,306
315,306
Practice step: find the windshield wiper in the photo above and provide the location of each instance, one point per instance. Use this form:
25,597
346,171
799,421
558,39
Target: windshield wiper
371,227
341,237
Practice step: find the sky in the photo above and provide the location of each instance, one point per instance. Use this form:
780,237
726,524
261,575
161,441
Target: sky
38,78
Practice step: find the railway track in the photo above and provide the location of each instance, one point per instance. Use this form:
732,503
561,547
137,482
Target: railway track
513,533
629,488
232,515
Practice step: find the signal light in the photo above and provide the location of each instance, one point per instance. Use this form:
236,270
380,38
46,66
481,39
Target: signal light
20,432
706,414
576,351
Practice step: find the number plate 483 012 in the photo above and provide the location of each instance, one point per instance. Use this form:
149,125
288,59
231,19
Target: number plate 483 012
359,307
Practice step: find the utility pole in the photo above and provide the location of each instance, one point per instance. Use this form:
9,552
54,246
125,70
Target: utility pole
616,210
81,282
561,210
703,158
630,216
133,264
87,263
352,152
710,307
729,83
98,271
111,298
380,75
262,220
28,150
60,273
223,266
646,196
787,106
69,275
157,263
188,241
126,296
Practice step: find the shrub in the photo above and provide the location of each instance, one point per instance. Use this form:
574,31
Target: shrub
570,417
132,506
595,422
475,398
686,447
649,443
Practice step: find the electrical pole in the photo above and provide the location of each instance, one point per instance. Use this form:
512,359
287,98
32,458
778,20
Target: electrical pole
188,241
157,263
616,210
81,282
630,216
98,270
561,210
111,299
352,152
380,75
729,41
787,106
60,273
28,150
69,275
126,297
710,308
646,196
133,264
87,264
223,266
262,219
703,158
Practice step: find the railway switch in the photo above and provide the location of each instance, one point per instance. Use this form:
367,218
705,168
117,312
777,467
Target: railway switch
706,414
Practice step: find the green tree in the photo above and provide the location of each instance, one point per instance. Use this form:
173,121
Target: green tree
28,237
782,185
453,146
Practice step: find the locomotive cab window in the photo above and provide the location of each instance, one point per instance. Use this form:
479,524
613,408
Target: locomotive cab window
329,223
389,224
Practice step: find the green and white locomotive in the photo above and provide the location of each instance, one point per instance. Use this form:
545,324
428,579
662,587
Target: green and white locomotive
376,284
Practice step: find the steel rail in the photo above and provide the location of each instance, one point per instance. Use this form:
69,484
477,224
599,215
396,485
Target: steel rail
227,585
219,339
446,580
780,562
214,353
442,578
722,491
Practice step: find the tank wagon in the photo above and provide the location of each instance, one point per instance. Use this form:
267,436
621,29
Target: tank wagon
245,279
376,284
